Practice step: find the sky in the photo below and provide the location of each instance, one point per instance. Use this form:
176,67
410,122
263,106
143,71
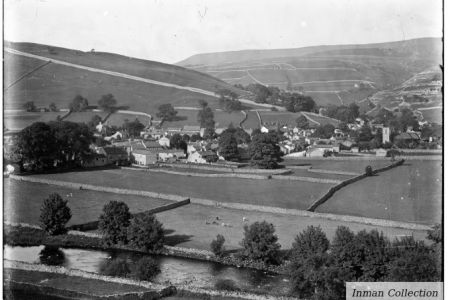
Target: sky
172,30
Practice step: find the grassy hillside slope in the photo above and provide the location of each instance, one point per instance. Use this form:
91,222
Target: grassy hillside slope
330,74
60,83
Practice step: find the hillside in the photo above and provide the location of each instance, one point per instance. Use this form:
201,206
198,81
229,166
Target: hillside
339,74
140,84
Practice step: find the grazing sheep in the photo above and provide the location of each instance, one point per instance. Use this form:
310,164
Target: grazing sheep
244,219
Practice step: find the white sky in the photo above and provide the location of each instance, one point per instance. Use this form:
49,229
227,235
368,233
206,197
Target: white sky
172,30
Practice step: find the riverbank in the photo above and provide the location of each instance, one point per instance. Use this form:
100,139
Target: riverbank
31,235
62,283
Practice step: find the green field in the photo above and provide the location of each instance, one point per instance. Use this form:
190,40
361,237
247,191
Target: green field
190,222
357,166
222,118
59,83
23,200
185,225
411,193
298,195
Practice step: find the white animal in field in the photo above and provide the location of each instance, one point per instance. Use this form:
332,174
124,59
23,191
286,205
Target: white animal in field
244,219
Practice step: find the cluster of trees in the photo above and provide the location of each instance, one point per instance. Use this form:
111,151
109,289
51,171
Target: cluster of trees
264,151
205,115
142,231
293,102
133,128
228,100
31,107
166,112
399,122
229,140
106,102
42,146
54,214
343,113
319,269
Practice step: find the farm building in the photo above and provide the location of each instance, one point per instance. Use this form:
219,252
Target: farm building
114,155
164,141
168,154
191,130
145,157
202,157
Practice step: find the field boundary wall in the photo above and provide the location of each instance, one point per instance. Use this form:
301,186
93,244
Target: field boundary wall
344,183
94,224
226,169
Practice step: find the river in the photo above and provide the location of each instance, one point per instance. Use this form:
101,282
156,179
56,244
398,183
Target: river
174,270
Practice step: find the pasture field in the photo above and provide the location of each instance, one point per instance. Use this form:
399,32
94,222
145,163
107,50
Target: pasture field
23,200
278,193
410,193
433,115
273,117
252,121
60,84
189,223
357,166
186,226
18,121
189,117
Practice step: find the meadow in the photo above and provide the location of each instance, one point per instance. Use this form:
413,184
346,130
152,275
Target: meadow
23,200
188,226
278,193
410,193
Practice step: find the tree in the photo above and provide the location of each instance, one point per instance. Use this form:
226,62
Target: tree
177,142
133,128
117,267
51,256
146,269
166,112
29,106
95,120
52,107
37,146
72,140
260,242
107,102
295,102
113,222
309,260
365,134
217,245
195,137
411,261
79,103
54,214
205,115
324,131
302,122
264,151
146,233
228,147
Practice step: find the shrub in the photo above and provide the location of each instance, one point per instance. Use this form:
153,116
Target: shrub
217,245
117,267
146,269
51,256
114,222
146,233
260,242
369,171
54,214
226,285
